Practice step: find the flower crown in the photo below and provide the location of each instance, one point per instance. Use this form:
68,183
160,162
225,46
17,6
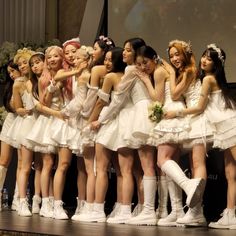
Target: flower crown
218,50
187,46
106,40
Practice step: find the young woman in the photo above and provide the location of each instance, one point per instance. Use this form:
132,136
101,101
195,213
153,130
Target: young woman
23,104
7,144
219,107
104,143
50,96
200,134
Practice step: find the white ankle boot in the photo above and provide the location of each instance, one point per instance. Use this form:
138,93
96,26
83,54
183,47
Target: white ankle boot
193,217
80,204
46,208
192,187
227,221
116,209
137,210
175,193
96,215
23,209
3,172
58,212
148,214
36,204
161,211
123,215
85,211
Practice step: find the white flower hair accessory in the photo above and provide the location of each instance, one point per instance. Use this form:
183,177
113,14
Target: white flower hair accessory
217,49
187,46
105,39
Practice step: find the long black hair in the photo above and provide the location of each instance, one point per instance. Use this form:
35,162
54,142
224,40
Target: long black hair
7,93
218,57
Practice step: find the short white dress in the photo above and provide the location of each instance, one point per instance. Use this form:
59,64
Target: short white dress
23,125
224,121
201,130
6,125
170,131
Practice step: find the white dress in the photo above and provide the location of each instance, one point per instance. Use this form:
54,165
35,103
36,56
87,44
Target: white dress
22,125
62,132
201,130
172,131
6,125
129,107
224,121
40,134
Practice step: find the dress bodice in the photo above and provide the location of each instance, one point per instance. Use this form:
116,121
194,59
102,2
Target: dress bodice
192,94
139,92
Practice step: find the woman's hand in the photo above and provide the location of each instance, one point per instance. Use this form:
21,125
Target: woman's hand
169,114
95,125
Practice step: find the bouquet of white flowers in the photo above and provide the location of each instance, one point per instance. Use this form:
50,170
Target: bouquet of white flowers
155,111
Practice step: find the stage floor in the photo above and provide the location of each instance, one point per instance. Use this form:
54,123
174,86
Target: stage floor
12,224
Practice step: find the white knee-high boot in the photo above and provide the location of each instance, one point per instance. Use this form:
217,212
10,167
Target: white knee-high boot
162,189
148,214
175,193
192,187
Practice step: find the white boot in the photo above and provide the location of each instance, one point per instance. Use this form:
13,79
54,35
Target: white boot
46,208
123,215
16,201
227,221
36,204
96,215
162,211
192,187
137,210
148,214
193,217
80,204
116,209
3,172
176,204
58,211
84,212
23,209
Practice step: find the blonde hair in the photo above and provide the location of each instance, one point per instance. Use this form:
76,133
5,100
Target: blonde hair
25,53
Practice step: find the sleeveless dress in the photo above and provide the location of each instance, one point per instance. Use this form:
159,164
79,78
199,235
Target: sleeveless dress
170,130
224,121
6,125
201,130
63,131
40,134
23,125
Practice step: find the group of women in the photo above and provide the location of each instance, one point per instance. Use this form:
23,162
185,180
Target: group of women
125,107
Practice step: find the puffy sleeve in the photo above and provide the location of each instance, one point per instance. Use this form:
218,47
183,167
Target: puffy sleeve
90,101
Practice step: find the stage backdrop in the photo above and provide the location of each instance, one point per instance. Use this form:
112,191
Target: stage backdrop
159,21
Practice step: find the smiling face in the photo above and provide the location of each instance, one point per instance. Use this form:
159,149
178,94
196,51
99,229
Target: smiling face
108,61
70,54
54,60
147,65
97,52
176,58
128,54
207,63
23,65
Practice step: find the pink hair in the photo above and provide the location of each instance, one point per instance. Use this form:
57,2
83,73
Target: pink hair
46,76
